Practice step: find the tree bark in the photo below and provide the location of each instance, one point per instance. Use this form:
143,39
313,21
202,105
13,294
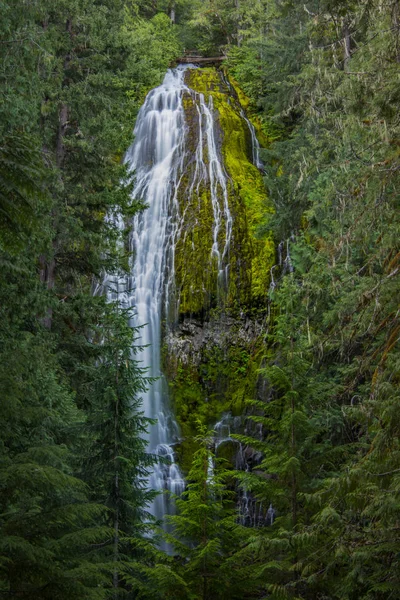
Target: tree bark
396,27
172,12
239,36
347,44
62,128
293,442
116,539
48,267
47,272
116,481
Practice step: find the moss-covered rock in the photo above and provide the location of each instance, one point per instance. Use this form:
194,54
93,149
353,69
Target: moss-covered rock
212,368
211,356
250,257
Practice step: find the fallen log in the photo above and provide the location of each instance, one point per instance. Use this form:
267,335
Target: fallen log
196,60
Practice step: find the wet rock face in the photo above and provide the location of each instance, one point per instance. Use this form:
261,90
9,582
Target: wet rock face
188,340
212,369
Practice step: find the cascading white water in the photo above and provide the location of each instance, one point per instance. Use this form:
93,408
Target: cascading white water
250,512
158,159
255,145
218,181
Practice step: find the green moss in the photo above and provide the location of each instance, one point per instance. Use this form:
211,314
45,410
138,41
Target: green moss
224,379
251,257
206,81
225,373
263,135
248,184
195,271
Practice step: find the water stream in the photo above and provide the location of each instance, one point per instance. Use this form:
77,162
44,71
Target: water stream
158,160
250,511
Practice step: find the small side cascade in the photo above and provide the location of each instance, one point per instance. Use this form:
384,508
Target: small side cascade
284,264
210,168
251,512
255,145
210,471
284,258
223,429
218,180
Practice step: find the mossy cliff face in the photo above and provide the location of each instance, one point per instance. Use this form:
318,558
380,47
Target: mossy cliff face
249,258
211,354
212,368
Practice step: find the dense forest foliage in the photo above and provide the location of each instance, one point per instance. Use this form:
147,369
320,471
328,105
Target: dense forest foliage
322,79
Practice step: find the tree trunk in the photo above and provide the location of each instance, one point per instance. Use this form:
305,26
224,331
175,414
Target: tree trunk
347,44
116,540
396,27
116,482
47,268
47,272
172,9
293,441
239,37
62,128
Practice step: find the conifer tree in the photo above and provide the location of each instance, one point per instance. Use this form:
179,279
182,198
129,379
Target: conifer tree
206,537
117,464
70,96
332,176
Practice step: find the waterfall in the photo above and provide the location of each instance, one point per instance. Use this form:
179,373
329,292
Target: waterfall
169,172
218,181
250,511
158,160
255,145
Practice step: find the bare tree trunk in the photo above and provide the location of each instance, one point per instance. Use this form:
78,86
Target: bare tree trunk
396,27
48,268
172,9
62,128
347,44
239,36
293,443
116,483
47,272
116,540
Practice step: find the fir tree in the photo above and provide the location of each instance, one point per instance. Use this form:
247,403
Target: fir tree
206,537
117,465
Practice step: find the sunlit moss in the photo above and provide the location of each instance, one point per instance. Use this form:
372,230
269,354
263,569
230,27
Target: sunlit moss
251,258
263,136
195,270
